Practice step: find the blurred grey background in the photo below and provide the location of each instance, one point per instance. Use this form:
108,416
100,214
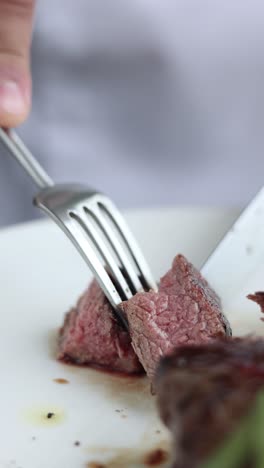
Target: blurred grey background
153,102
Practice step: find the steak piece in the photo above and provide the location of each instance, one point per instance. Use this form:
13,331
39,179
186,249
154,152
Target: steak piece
204,391
91,335
184,310
258,297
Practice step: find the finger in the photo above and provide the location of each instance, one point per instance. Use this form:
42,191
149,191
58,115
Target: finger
15,39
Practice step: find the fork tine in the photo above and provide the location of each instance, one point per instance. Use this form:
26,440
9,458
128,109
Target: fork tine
129,240
91,258
78,237
126,264
86,224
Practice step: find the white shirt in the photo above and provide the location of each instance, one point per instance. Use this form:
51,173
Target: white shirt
152,102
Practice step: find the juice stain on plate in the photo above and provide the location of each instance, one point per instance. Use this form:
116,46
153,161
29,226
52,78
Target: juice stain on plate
130,458
141,456
48,416
61,381
156,457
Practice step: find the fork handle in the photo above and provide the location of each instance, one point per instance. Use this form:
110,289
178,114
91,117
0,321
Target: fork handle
22,154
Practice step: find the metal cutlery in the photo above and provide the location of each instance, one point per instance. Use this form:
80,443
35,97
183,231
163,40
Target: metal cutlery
95,227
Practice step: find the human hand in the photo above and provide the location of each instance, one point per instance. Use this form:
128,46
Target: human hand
15,39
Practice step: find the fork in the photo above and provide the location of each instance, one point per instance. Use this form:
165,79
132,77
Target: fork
95,227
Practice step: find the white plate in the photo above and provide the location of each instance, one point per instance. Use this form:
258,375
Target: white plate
41,276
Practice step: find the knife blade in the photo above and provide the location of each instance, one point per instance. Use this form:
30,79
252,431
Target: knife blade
239,253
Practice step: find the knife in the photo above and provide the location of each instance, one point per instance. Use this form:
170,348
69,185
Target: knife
239,253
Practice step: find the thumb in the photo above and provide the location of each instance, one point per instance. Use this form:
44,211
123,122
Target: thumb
15,39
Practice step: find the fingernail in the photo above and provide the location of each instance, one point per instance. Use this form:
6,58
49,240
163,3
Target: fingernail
11,99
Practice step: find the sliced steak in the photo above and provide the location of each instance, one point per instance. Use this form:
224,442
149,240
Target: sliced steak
184,310
258,297
91,335
204,391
